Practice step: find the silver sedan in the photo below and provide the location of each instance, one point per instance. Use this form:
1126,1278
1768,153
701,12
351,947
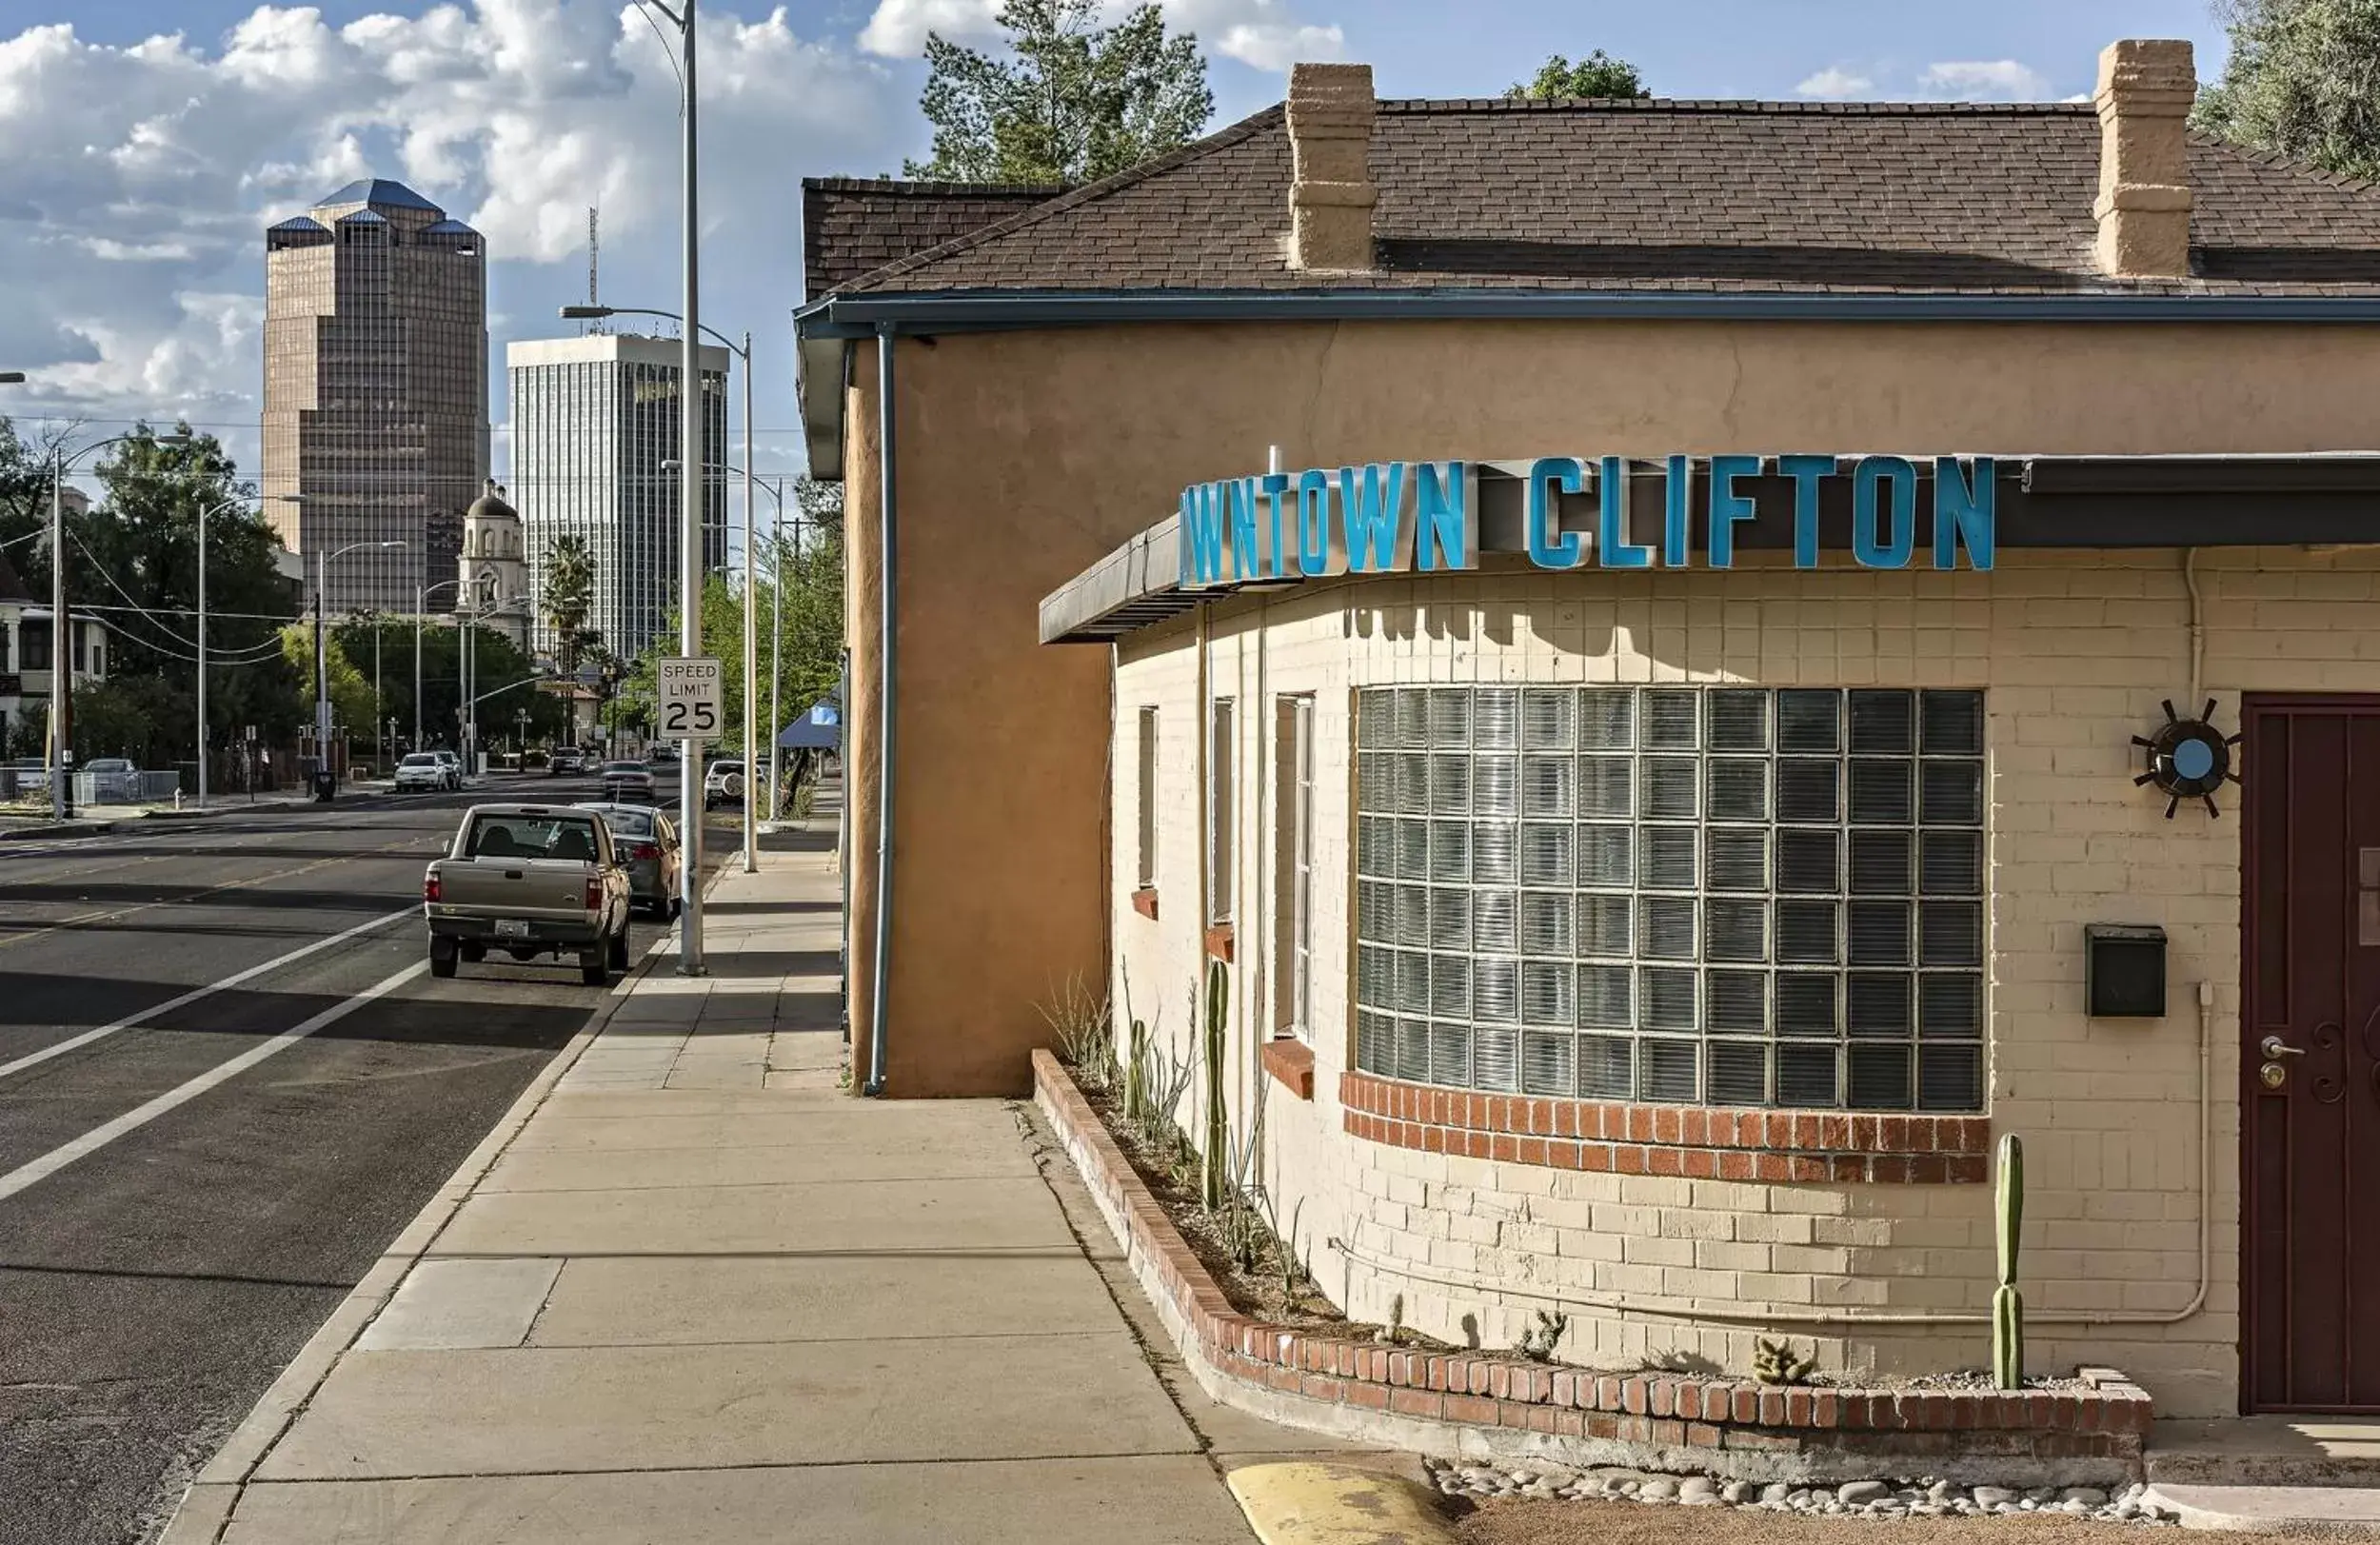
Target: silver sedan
625,781
647,844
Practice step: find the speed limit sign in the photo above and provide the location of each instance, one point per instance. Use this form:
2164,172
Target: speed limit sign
688,697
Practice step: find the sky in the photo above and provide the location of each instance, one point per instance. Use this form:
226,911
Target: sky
144,145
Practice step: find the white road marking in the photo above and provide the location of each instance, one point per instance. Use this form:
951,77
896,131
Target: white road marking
140,1116
132,1021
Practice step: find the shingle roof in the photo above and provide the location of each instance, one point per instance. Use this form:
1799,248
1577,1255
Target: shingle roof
1665,195
851,226
381,190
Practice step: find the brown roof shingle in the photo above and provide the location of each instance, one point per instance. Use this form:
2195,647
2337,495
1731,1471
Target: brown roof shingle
852,226
1671,195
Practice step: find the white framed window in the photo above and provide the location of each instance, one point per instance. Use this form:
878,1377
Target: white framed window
1292,866
1220,809
1145,866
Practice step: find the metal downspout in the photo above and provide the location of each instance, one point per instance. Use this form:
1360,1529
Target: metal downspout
887,511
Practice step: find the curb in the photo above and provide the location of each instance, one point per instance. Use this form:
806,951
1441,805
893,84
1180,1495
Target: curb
206,1508
1335,1504
58,828
2342,1512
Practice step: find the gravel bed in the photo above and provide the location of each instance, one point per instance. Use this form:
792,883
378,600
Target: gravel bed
1903,1498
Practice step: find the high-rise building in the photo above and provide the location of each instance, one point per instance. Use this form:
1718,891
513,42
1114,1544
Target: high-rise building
375,389
593,421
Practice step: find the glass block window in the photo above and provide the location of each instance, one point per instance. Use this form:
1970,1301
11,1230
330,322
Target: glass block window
1727,895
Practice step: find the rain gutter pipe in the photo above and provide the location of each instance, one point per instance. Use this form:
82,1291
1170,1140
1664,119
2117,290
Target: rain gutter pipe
887,512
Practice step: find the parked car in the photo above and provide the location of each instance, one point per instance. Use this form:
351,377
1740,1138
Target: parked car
113,780
567,759
420,772
625,780
723,784
664,755
529,879
453,765
648,848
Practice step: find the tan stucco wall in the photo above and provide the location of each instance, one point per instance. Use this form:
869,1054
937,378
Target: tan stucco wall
2074,653
1024,457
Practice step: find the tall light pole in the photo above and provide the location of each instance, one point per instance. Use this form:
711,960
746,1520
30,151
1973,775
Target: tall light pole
61,650
421,606
206,740
751,625
321,645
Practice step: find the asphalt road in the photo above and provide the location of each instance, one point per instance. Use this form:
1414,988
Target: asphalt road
158,1267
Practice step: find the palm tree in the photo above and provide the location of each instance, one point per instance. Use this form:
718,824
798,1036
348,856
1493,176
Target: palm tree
570,596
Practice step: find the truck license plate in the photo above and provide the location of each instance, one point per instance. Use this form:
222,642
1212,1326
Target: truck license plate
511,928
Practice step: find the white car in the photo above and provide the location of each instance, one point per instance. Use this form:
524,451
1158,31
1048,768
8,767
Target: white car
451,765
421,771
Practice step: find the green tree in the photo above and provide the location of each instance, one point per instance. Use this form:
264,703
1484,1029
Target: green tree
351,689
132,569
1076,101
499,661
2303,80
570,596
1598,75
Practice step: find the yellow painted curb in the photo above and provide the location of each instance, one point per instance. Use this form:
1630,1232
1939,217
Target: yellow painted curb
1335,1504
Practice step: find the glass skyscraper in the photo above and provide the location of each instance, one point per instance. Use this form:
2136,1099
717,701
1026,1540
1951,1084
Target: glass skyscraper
375,389
593,418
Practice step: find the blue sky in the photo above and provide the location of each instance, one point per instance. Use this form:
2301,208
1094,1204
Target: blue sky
141,174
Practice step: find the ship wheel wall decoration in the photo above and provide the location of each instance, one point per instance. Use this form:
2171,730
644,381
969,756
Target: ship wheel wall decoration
2187,759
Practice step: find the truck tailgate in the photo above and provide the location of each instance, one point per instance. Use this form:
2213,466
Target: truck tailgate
552,890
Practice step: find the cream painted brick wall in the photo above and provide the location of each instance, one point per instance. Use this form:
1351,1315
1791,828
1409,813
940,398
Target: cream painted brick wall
2074,651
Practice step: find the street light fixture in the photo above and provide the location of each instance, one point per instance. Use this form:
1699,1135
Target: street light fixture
321,648
751,640
61,652
11,378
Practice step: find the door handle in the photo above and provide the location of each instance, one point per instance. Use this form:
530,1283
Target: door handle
2275,1049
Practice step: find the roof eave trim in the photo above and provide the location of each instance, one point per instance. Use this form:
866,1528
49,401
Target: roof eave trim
865,315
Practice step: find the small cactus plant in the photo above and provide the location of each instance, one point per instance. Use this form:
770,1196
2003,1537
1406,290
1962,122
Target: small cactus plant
1215,1174
2008,1305
1776,1362
1538,1344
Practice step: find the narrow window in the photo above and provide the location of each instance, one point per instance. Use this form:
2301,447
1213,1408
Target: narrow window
1147,867
1221,744
1293,863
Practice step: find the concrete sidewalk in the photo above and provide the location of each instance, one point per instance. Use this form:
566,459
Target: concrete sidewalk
690,1291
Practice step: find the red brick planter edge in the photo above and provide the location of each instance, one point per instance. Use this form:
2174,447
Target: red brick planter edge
2109,1420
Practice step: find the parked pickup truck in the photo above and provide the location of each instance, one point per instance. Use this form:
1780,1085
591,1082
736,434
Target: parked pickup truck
529,879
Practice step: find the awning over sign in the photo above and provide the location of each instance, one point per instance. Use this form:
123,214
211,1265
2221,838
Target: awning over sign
819,729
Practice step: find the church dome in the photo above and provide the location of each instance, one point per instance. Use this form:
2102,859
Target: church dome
491,506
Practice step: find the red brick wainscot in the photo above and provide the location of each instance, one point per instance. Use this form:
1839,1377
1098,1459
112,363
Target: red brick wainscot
1697,1142
1474,1405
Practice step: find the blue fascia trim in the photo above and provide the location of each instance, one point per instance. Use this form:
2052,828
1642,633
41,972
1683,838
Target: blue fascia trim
866,315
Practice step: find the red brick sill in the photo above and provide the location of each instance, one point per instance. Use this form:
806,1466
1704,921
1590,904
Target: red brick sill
1144,902
1292,1062
2107,1421
1694,1142
1218,942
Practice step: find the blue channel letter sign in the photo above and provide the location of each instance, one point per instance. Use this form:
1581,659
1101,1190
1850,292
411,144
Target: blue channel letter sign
1424,517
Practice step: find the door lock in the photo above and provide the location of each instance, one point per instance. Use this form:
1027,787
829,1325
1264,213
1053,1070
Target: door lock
2275,1049
2272,1075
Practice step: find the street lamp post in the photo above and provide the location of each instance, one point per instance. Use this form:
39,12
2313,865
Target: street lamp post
321,645
421,608
205,739
61,649
751,638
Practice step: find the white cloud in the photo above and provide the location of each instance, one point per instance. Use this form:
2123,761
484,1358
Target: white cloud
138,180
1259,33
1834,84
1985,80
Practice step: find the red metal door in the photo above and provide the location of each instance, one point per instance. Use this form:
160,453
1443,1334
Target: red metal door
2309,1056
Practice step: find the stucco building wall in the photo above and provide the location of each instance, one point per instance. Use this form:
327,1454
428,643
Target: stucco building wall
2075,652
1007,490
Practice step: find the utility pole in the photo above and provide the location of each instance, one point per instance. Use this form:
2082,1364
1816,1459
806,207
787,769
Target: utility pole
61,662
690,457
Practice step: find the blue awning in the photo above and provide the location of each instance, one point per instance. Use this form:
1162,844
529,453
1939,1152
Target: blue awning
819,729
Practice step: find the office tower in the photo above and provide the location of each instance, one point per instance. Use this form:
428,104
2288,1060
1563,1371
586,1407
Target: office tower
593,421
375,390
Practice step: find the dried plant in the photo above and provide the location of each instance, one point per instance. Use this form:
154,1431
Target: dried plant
1084,1031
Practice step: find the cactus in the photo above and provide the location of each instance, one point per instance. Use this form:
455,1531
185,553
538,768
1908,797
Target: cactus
1137,1073
1215,1174
1538,1344
1776,1362
2008,1305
